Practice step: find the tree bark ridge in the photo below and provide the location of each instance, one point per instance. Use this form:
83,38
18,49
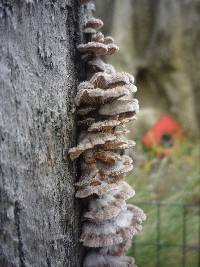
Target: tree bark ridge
40,70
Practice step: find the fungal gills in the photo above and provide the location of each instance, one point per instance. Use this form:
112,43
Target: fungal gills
105,103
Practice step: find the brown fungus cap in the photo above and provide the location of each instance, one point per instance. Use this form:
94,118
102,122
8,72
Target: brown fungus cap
108,157
98,188
112,48
139,214
103,126
108,40
89,30
93,48
114,196
124,191
94,23
126,117
119,106
111,232
105,103
114,231
109,164
104,208
96,183
99,96
119,167
105,80
89,142
118,143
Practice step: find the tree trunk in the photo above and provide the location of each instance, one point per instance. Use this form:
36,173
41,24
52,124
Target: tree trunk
39,70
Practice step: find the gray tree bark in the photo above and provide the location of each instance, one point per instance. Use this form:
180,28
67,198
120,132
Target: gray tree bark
39,69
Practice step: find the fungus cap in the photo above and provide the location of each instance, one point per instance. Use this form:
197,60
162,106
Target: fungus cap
113,231
94,23
118,143
103,126
119,106
95,259
98,188
100,96
90,141
93,48
108,40
105,80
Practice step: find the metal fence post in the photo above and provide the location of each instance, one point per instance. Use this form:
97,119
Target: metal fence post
199,240
158,236
184,237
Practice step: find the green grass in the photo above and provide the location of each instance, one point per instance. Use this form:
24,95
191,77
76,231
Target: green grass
174,179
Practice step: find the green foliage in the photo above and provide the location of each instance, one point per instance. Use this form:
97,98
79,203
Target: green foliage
174,179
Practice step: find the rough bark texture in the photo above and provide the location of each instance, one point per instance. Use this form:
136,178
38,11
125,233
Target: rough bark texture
39,70
159,43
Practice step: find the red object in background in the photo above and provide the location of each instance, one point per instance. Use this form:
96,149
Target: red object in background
163,133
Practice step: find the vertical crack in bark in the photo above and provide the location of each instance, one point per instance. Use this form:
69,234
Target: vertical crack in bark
48,261
20,243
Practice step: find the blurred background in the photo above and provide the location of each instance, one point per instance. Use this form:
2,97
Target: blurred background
159,44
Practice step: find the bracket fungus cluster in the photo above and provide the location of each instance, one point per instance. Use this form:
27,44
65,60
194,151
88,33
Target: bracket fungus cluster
104,104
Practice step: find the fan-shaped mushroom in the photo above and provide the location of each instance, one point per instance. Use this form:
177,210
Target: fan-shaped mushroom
114,231
104,208
100,96
104,104
94,259
119,106
103,126
93,48
105,80
108,40
94,23
112,48
118,143
90,141
97,187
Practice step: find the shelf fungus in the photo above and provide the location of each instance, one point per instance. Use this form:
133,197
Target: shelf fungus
92,25
105,103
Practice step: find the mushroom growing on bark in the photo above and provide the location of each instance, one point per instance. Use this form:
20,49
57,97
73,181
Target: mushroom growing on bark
105,103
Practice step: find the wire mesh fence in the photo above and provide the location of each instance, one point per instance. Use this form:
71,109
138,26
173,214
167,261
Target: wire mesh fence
174,238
